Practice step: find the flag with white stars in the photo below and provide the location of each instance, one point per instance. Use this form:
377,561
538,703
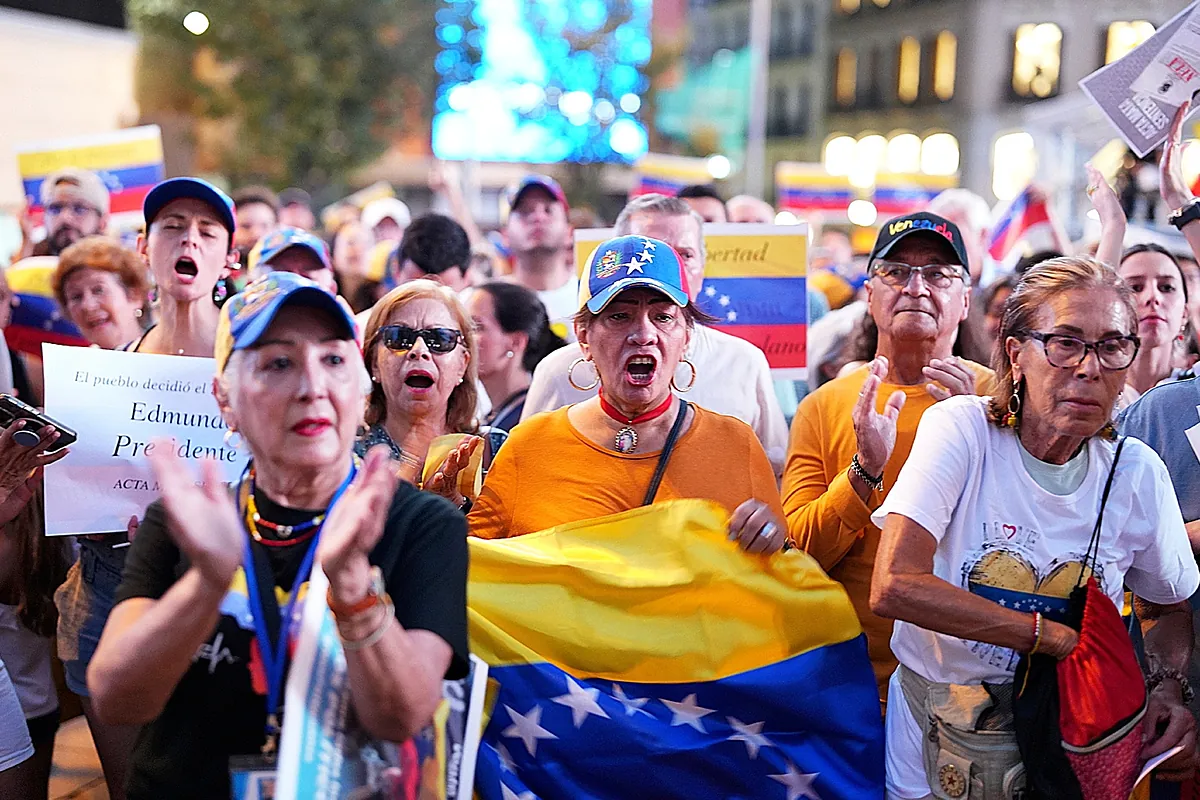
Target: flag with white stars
643,655
37,318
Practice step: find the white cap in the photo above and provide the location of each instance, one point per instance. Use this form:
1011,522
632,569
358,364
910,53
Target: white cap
378,210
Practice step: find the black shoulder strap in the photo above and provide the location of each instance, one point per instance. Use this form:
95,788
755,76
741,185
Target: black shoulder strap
1093,551
665,455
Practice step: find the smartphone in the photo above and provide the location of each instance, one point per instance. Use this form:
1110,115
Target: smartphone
12,409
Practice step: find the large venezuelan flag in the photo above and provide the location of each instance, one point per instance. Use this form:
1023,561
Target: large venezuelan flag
902,193
643,655
804,188
667,174
36,316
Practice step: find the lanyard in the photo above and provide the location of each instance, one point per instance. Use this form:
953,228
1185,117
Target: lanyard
275,658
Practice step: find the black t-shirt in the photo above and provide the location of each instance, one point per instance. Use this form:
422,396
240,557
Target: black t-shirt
215,711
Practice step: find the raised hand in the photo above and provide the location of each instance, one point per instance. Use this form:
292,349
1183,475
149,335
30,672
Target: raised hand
876,432
203,519
951,377
756,529
355,526
21,465
1174,189
445,480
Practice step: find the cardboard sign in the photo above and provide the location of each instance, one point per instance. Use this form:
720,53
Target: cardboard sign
119,404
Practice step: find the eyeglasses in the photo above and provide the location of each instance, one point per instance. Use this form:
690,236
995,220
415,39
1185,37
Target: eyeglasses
78,209
898,274
401,338
1113,353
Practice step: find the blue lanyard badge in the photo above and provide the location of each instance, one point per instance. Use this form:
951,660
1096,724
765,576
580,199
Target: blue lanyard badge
275,659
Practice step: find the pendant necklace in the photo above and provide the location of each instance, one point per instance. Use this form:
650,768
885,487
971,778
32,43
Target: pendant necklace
627,439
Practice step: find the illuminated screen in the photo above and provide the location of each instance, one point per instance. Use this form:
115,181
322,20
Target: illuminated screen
541,81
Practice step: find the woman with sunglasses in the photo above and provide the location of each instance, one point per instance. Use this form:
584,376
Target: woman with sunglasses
990,525
419,347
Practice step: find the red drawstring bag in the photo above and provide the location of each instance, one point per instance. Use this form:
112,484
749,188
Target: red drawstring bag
1102,700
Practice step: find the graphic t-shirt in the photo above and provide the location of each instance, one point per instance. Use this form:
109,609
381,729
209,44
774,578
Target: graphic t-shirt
1002,536
219,707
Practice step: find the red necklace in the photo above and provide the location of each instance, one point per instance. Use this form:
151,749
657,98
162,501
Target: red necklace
627,438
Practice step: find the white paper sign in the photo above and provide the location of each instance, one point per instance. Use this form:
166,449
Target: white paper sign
1174,74
119,403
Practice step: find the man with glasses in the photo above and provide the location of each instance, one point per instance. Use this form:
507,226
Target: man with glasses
851,436
76,205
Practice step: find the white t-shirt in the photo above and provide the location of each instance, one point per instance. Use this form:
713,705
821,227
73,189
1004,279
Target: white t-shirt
561,305
27,656
15,744
997,529
732,378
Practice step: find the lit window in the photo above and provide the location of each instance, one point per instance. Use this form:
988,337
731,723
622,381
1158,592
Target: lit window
904,153
1124,36
869,155
945,55
1037,56
839,155
846,80
848,6
939,154
909,70
1014,162
883,3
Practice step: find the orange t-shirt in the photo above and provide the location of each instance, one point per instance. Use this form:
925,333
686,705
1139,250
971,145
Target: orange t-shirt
826,517
549,474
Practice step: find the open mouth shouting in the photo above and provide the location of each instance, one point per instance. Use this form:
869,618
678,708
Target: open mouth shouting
419,381
186,270
639,370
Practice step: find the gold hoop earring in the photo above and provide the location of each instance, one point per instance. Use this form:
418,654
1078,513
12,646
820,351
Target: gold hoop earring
571,376
233,439
1013,417
691,383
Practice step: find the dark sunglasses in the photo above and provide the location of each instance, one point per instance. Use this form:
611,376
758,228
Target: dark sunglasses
401,338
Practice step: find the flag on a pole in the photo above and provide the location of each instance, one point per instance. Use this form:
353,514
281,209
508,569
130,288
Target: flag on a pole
1027,211
643,655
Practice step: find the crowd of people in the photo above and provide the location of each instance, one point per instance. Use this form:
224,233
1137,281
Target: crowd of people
964,457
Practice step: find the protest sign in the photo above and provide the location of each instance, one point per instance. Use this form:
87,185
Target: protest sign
804,188
1173,75
667,174
754,284
129,162
119,403
324,752
1142,119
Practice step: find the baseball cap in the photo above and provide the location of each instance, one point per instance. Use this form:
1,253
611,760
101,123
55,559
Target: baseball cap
177,188
923,222
294,196
513,194
628,261
89,183
246,316
281,239
377,211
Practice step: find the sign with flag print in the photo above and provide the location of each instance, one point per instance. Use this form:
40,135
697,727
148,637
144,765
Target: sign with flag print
754,284
130,162
905,193
737,676
667,174
805,188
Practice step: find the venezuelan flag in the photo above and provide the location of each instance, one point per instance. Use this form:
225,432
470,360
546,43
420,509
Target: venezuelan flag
897,193
666,174
36,317
808,187
642,655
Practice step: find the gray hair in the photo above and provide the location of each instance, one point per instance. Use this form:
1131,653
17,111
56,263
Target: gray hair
966,203
658,204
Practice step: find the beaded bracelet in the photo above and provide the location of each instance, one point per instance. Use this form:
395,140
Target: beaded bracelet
876,483
1167,673
1037,632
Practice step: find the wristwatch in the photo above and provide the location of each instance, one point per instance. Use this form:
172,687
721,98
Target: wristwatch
375,591
1189,212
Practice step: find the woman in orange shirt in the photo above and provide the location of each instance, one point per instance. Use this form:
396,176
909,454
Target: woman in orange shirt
636,442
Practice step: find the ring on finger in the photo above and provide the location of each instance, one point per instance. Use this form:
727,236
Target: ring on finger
768,530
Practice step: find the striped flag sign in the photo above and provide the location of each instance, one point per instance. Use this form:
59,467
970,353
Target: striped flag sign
667,174
906,193
808,187
129,162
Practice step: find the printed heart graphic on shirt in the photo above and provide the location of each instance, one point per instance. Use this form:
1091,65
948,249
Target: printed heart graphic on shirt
1010,531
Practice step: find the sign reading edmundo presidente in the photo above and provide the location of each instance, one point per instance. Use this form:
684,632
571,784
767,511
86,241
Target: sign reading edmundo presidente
120,404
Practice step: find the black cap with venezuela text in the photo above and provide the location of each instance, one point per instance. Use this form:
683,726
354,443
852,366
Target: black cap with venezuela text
922,222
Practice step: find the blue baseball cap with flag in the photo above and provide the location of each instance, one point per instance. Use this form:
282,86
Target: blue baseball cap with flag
246,316
177,188
279,240
513,194
631,261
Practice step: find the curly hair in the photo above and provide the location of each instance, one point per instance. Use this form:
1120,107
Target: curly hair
1037,288
104,254
461,408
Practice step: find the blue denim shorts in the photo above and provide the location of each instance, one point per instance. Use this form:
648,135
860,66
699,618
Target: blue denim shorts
88,597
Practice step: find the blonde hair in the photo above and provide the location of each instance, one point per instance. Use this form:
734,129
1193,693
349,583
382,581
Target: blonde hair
464,399
1036,288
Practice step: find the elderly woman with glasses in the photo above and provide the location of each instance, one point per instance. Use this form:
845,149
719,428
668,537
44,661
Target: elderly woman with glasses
989,527
419,346
637,441
199,643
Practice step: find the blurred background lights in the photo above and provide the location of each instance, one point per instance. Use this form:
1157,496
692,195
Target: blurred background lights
786,218
195,23
718,166
862,213
630,103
